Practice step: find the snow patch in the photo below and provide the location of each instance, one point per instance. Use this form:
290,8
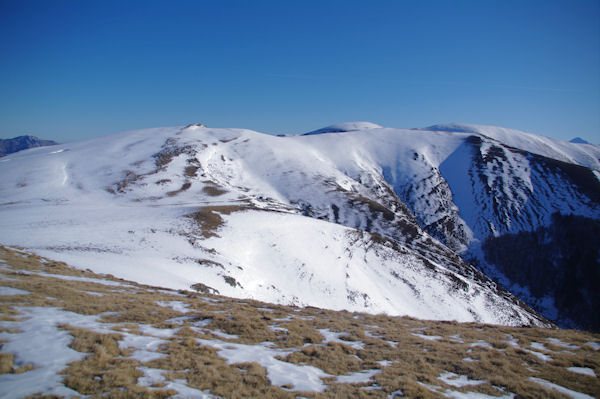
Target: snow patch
583,370
428,337
563,390
9,291
41,343
595,345
562,344
332,336
280,373
141,342
177,306
156,376
359,377
538,346
147,356
458,380
483,344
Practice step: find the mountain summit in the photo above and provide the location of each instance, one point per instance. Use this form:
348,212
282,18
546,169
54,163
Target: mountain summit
578,140
367,219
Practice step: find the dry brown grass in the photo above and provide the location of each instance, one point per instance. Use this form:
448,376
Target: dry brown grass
104,370
191,171
7,365
409,361
184,187
209,217
213,191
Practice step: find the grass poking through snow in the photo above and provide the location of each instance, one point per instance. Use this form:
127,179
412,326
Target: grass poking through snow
131,340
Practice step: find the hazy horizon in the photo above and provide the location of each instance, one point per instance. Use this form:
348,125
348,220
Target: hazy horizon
75,70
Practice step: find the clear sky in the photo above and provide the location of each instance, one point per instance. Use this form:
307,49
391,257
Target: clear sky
74,69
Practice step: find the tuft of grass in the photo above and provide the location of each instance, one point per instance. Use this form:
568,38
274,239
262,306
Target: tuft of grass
6,362
7,365
191,171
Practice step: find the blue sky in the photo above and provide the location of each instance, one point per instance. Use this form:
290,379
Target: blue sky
75,69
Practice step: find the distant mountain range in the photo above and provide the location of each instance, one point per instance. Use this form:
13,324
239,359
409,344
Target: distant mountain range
8,146
353,216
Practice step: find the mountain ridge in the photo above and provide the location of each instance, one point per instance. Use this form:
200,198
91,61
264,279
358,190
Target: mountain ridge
196,183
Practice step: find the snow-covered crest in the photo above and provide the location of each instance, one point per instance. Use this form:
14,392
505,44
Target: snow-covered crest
571,152
328,220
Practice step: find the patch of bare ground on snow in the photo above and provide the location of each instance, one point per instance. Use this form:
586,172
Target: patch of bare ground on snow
142,341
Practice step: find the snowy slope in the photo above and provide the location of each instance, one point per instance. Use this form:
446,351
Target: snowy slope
466,187
309,220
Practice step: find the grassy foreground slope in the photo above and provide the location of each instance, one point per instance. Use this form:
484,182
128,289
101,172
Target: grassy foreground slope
68,332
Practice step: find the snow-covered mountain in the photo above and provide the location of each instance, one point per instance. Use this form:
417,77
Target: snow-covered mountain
8,146
578,140
345,127
367,219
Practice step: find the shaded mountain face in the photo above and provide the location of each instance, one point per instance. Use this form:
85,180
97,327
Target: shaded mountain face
558,264
372,219
527,219
8,146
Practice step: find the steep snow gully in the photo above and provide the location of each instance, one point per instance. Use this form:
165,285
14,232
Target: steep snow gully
353,216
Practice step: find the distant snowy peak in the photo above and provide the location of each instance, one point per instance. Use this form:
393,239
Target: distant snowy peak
578,140
345,127
453,127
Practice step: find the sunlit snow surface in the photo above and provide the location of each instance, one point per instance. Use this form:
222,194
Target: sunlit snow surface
42,344
583,370
110,205
153,377
569,392
301,378
8,291
458,380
